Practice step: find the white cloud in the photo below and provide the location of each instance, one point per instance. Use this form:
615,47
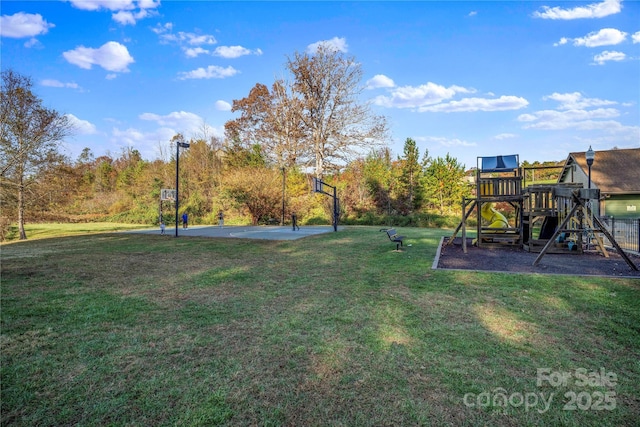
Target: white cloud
570,119
182,37
149,141
160,29
112,5
447,142
503,136
473,13
148,4
604,37
57,83
636,37
83,127
23,24
594,10
193,52
222,105
112,56
211,72
504,103
127,12
190,43
338,44
177,119
130,18
32,42
378,81
415,97
124,18
146,143
575,101
562,41
607,55
577,113
235,51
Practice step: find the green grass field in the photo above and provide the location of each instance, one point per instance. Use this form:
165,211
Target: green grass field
336,329
47,230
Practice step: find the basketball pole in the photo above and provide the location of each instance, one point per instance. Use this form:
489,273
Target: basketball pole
318,187
178,145
177,169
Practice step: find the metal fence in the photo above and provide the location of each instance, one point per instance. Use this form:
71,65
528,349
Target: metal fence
625,231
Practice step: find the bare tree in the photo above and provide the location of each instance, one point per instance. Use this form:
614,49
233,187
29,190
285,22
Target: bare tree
336,122
29,136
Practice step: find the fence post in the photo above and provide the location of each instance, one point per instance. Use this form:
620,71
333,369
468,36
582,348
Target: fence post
613,228
638,234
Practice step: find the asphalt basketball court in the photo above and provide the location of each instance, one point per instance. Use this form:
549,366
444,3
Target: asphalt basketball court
242,232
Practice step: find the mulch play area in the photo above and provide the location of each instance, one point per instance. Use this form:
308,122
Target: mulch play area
513,259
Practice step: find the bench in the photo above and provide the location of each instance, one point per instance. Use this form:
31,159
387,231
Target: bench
393,236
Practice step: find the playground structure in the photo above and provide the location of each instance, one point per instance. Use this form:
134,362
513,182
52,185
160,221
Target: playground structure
550,218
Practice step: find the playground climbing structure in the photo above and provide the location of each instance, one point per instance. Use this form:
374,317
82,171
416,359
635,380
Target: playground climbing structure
497,182
550,218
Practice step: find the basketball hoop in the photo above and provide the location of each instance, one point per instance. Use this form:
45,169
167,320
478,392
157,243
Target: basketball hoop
167,194
317,185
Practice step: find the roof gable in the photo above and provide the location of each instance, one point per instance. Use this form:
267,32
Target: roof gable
613,171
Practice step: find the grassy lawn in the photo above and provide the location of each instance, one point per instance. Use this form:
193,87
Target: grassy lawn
47,230
336,329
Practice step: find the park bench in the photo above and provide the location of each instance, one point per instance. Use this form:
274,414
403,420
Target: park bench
393,236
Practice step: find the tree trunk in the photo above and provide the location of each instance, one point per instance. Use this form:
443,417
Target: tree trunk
23,235
319,162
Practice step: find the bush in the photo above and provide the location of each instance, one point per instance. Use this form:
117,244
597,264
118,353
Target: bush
424,220
5,229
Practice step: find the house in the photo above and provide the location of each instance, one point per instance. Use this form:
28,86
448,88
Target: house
616,173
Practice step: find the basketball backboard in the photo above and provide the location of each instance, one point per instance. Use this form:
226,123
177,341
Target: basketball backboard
167,194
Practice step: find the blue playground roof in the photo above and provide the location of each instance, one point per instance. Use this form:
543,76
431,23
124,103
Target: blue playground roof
498,163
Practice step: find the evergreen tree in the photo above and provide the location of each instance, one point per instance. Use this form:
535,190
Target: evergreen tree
444,184
410,179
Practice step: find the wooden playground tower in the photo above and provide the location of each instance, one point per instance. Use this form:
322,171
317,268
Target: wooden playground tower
564,212
489,190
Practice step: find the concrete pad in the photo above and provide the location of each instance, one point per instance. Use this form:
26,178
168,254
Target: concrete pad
242,232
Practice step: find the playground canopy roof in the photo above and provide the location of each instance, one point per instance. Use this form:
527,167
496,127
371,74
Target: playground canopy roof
498,163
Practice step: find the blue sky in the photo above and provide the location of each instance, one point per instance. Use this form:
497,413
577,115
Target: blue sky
539,79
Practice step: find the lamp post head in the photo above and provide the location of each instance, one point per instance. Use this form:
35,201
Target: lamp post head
590,155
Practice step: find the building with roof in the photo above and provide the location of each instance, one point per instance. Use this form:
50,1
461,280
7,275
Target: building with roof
616,173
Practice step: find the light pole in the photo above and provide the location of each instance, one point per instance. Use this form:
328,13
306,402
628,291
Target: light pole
179,143
590,155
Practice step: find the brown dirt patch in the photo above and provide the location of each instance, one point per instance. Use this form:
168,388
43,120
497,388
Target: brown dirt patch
510,259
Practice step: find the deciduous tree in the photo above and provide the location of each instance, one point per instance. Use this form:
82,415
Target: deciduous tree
256,190
272,120
336,122
29,137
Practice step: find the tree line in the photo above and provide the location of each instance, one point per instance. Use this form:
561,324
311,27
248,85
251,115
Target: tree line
310,123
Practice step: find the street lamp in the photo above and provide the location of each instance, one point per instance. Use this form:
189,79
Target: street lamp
590,155
179,144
